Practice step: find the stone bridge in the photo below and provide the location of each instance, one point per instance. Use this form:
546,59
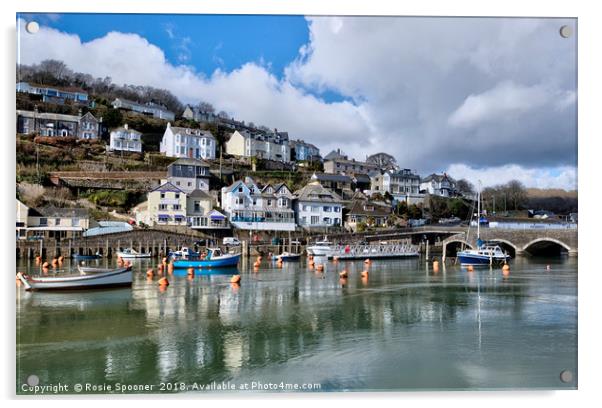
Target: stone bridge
519,241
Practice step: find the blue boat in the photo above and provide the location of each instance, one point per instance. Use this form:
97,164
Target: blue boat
486,254
286,257
214,259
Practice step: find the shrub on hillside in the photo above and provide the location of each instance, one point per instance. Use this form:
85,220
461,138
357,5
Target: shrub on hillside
56,141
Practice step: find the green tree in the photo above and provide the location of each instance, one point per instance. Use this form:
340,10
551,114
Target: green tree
113,118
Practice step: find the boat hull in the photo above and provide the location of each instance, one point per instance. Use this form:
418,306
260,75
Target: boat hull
318,251
118,277
287,258
132,256
222,262
376,256
86,257
472,259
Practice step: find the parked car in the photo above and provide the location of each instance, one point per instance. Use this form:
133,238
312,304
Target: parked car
231,241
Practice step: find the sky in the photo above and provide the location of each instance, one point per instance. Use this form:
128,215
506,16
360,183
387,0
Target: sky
487,99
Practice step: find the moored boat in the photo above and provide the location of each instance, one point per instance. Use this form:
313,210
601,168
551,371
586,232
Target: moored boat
112,277
484,255
89,270
214,259
373,251
320,248
286,257
79,257
131,253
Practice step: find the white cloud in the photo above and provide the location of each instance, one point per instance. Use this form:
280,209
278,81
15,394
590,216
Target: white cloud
505,100
564,177
433,92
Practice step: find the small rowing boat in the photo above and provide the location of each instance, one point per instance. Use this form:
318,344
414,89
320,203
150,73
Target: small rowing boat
214,259
89,270
79,257
108,278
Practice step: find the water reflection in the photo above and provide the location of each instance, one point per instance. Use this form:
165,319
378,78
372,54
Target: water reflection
403,326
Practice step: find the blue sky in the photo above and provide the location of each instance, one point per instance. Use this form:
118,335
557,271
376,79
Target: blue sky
488,99
207,42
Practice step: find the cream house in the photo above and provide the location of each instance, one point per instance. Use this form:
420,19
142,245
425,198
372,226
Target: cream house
269,146
166,206
200,212
56,223
22,211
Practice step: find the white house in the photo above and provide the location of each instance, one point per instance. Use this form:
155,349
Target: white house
269,146
250,207
149,108
126,140
438,184
318,207
186,142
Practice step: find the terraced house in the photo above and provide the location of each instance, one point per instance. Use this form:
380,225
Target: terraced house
252,207
55,124
270,146
124,139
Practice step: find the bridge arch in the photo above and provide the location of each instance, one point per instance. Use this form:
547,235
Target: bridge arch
545,243
451,245
505,244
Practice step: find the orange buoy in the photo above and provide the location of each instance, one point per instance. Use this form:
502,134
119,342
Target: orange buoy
343,274
235,279
506,267
259,258
469,268
45,265
38,259
257,264
163,282
320,267
190,271
61,258
364,274
164,260
150,272
335,259
235,286
367,261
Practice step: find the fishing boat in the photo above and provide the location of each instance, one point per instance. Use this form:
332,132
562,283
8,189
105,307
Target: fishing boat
320,248
286,257
214,259
486,253
112,277
79,257
131,253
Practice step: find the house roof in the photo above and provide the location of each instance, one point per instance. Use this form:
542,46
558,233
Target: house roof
197,193
335,154
332,177
249,182
437,177
314,191
167,187
187,161
191,132
123,129
52,211
48,116
362,207
361,178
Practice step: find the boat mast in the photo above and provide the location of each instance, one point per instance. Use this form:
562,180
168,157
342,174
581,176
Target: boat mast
479,211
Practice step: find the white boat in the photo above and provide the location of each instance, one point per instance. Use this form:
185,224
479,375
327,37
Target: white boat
320,248
486,253
112,277
373,251
184,253
130,253
89,270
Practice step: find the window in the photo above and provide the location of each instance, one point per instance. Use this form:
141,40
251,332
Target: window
57,221
303,220
315,219
269,202
189,183
162,195
163,206
177,183
240,189
74,222
337,209
239,200
177,207
327,220
43,221
327,208
177,195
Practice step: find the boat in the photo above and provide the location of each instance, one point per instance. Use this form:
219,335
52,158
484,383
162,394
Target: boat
131,253
486,253
89,270
373,251
86,257
112,277
320,248
286,257
184,253
214,259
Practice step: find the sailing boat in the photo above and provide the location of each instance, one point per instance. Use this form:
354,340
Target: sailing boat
486,253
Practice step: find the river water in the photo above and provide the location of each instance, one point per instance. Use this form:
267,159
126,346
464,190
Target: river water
405,327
